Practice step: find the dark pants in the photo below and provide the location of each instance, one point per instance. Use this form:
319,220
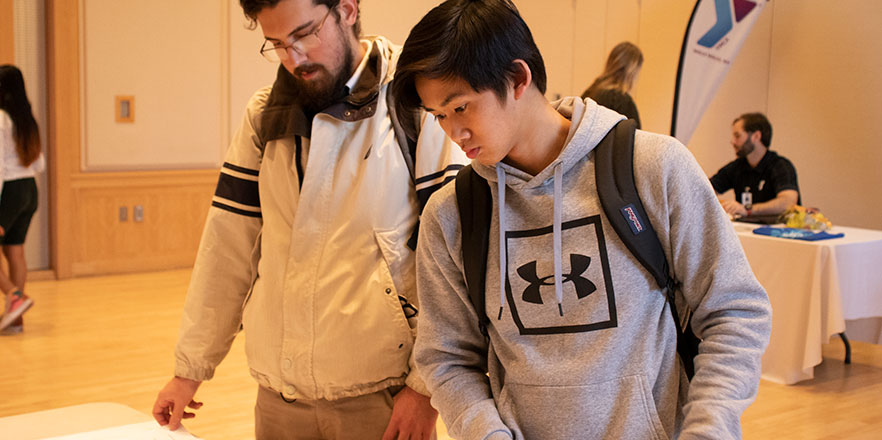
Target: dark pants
18,203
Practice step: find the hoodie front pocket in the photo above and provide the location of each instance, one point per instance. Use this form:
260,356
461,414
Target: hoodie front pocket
621,408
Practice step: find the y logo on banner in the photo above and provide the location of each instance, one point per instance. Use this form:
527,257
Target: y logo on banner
724,20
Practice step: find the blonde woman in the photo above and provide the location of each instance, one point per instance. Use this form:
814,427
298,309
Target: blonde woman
611,89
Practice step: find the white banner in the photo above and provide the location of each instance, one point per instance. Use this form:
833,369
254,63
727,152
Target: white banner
715,33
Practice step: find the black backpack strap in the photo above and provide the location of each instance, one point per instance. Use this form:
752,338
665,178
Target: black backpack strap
614,171
475,208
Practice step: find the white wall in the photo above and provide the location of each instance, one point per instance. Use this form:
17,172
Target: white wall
193,75
168,54
572,54
811,65
30,57
249,71
825,98
814,68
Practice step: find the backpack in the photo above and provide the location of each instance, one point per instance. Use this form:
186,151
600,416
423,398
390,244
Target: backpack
614,165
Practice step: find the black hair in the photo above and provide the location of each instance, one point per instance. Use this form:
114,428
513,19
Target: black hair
14,101
757,122
253,7
475,40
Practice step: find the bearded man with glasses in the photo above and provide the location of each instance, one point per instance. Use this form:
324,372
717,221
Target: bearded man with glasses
308,245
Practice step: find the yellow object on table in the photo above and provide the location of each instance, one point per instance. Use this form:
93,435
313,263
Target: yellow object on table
806,218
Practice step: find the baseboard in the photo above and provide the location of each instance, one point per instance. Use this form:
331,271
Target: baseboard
41,275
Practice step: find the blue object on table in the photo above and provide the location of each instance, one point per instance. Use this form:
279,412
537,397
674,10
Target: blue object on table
796,234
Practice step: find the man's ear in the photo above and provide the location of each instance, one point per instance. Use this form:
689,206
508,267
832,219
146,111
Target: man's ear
348,12
522,78
756,137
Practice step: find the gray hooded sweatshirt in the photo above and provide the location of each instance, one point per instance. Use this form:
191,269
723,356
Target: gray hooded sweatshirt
581,342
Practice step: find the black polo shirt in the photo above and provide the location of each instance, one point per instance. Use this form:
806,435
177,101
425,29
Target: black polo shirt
772,175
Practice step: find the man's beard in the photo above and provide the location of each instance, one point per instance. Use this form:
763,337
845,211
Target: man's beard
745,149
325,88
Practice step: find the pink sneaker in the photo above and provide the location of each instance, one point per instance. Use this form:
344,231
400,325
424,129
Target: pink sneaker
16,328
16,304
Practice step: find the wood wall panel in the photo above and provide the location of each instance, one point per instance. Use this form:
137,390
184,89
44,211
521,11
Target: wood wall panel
174,204
87,237
63,152
7,33
177,72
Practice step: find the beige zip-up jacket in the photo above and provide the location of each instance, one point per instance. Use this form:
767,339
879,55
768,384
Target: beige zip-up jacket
305,244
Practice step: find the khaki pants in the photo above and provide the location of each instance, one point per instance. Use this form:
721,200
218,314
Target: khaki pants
357,418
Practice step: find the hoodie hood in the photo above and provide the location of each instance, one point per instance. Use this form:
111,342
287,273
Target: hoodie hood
590,123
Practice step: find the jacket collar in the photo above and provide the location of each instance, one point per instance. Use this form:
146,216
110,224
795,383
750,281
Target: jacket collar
284,116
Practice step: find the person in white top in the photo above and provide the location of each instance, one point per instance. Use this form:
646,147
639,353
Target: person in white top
21,159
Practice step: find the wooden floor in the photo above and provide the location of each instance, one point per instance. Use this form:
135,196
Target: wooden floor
111,339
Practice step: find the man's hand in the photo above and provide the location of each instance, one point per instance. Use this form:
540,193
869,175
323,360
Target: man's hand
733,208
170,403
413,418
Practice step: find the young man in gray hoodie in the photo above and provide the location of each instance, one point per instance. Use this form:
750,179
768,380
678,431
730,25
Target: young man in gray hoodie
593,354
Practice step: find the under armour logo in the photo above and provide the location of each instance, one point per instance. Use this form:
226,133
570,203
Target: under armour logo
578,265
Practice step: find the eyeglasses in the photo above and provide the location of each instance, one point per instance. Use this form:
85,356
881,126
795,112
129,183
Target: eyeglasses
277,51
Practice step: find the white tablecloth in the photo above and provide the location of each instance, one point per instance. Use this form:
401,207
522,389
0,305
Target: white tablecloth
68,420
814,287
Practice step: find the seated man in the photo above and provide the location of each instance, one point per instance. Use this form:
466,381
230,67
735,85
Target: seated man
764,182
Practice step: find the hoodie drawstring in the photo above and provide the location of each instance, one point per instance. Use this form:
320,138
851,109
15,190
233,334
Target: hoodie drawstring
500,186
556,229
556,236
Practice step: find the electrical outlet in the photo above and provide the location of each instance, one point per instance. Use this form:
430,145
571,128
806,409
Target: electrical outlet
125,108
138,213
123,213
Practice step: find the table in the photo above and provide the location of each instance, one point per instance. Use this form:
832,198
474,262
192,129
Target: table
77,418
102,420
814,287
